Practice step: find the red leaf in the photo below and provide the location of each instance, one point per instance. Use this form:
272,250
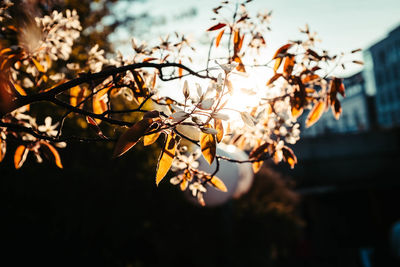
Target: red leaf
216,27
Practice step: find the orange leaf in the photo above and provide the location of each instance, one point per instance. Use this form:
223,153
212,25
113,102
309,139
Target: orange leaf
19,89
274,78
180,70
216,27
166,157
150,139
288,66
289,156
218,39
76,95
315,113
208,146
131,136
39,67
257,166
3,147
282,50
218,183
278,62
220,129
20,156
56,156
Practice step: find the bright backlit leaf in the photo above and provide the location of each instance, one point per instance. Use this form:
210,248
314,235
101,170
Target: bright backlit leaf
55,155
208,145
20,156
315,113
166,157
218,183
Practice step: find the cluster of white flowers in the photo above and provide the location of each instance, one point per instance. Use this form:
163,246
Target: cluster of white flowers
96,59
59,33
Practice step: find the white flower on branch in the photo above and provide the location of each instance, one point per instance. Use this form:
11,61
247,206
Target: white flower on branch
48,128
197,187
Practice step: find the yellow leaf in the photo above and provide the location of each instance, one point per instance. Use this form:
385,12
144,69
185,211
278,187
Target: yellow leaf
19,89
315,113
76,95
278,62
183,185
220,129
131,137
39,67
150,139
208,146
257,166
217,183
20,156
57,158
166,158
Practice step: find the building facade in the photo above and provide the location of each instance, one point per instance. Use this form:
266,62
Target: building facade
383,60
357,111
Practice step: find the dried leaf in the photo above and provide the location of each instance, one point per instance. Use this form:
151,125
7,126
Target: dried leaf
257,166
315,113
218,39
246,118
54,152
218,183
166,157
20,156
208,146
216,27
259,151
131,136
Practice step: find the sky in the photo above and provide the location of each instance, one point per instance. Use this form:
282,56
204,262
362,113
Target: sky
343,25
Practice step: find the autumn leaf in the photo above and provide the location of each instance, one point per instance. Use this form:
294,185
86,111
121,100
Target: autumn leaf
274,78
19,89
220,129
218,39
289,65
131,137
336,109
216,27
54,152
315,113
150,138
3,147
289,156
282,50
39,67
277,64
76,95
218,183
208,146
20,156
166,157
